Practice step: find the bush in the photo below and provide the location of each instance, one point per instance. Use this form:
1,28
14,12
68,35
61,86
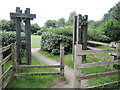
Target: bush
51,42
8,38
43,29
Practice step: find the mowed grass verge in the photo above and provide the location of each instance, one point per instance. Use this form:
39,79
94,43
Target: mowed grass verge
35,41
90,59
33,81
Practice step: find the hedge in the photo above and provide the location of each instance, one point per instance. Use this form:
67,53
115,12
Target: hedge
8,38
51,42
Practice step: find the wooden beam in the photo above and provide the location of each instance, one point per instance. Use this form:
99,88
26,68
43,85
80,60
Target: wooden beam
93,48
84,36
95,64
33,74
35,66
77,63
3,49
28,37
62,59
18,40
100,43
105,85
1,68
5,59
89,76
22,15
88,52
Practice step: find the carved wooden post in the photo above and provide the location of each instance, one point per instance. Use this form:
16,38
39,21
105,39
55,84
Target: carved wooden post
62,59
1,67
77,63
28,36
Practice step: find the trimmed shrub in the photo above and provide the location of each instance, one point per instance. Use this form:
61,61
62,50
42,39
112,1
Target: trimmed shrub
8,38
51,42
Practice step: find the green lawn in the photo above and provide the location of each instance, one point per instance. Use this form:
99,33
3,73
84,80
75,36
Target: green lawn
35,41
33,81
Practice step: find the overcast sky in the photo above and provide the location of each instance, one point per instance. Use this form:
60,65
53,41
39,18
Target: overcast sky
55,9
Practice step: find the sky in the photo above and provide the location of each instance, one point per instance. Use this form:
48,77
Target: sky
56,9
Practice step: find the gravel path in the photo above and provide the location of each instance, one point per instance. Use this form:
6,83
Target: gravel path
69,72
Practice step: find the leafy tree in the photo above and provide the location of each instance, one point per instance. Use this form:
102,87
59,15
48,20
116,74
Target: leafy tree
61,22
113,13
112,29
7,25
70,20
34,28
50,23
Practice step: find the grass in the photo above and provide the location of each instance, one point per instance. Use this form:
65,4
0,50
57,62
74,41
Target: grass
33,81
35,39
90,59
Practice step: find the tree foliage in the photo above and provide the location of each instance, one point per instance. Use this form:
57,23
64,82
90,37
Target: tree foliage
50,23
34,28
70,20
7,25
113,13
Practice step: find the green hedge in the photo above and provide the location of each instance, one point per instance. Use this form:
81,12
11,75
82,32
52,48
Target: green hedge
10,37
51,42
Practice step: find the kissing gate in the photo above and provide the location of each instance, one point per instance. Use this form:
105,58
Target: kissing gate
15,55
26,17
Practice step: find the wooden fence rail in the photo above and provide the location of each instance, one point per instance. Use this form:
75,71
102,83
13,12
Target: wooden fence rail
4,74
12,70
78,65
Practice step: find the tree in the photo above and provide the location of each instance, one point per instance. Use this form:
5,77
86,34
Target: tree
70,20
112,29
7,25
113,13
61,22
34,28
50,23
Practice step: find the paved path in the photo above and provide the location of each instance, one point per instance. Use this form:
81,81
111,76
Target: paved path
69,72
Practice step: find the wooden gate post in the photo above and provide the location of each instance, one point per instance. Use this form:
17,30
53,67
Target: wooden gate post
14,62
18,36
28,37
118,48
84,35
77,63
1,67
74,35
62,59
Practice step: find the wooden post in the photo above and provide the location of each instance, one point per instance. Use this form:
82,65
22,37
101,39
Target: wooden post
18,36
62,59
84,35
74,35
118,48
1,68
77,63
79,32
28,37
14,63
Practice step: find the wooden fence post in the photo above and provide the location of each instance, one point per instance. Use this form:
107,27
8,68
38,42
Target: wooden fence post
14,62
77,63
84,36
62,59
74,35
118,48
1,69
